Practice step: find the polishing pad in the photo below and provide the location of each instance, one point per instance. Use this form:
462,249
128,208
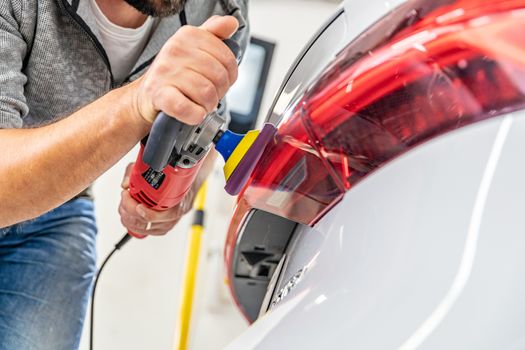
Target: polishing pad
242,161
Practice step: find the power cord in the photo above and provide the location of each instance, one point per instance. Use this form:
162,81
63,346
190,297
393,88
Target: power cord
118,246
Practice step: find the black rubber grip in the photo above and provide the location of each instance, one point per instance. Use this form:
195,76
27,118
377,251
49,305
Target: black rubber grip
198,218
165,130
162,138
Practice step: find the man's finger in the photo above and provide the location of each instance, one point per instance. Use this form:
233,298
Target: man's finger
127,175
132,223
158,216
160,229
199,89
221,26
155,229
129,205
192,112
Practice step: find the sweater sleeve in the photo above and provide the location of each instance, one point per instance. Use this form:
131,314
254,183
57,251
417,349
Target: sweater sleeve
240,11
13,48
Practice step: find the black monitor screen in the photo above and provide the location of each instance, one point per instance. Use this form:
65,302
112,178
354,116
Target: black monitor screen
245,97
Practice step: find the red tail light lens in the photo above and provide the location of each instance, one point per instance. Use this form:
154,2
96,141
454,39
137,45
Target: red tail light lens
296,180
462,63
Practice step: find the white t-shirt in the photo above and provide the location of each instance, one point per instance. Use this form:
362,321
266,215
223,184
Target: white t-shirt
123,45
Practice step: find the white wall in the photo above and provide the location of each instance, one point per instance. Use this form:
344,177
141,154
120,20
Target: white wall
137,300
289,23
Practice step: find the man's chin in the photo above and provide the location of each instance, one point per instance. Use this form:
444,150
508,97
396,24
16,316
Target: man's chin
157,8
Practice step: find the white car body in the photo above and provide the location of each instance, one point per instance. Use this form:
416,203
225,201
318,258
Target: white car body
425,253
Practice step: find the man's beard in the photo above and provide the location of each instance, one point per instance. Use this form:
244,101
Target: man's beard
157,8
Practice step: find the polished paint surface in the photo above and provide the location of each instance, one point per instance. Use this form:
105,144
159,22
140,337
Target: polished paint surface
424,254
413,240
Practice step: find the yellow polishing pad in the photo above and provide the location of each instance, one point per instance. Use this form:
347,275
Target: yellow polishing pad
239,152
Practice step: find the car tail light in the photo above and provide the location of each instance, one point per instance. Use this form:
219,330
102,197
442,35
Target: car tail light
463,63
427,68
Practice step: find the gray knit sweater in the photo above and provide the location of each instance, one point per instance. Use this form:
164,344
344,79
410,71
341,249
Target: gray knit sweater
51,63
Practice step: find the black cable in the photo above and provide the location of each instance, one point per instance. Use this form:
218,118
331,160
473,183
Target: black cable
119,245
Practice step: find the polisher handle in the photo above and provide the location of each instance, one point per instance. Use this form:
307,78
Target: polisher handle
166,129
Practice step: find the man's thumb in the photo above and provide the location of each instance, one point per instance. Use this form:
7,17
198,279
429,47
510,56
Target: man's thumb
221,26
127,175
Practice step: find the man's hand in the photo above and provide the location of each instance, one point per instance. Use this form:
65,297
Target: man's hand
191,73
137,218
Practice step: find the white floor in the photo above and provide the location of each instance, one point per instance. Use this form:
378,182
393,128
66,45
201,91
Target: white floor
139,293
138,296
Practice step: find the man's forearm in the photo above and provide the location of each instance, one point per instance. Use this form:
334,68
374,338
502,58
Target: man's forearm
42,168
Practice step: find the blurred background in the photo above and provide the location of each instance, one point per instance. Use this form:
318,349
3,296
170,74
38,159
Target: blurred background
138,296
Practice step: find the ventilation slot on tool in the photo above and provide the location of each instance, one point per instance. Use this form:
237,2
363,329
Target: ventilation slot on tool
145,199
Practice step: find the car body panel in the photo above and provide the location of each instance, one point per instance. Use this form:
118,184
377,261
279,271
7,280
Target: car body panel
425,252
391,167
